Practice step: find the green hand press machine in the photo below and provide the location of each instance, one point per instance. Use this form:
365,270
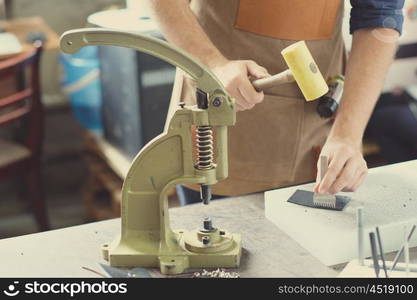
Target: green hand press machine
147,239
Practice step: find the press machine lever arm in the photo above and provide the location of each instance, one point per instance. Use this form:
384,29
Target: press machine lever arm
74,40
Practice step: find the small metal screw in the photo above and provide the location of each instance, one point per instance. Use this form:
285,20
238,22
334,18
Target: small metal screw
206,240
217,102
313,67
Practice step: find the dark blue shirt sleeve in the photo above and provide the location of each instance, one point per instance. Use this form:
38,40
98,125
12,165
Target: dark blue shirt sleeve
376,13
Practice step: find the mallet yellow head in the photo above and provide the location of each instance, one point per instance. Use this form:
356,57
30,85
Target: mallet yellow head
305,71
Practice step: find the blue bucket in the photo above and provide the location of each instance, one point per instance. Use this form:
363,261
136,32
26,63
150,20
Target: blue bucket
81,83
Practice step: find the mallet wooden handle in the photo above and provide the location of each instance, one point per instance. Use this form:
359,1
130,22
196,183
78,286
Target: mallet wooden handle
277,79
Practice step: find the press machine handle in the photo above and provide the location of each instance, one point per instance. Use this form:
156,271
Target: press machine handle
73,40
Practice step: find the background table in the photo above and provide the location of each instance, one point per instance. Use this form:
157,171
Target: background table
21,27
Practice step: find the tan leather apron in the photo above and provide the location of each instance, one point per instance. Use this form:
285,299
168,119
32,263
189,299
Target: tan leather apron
271,145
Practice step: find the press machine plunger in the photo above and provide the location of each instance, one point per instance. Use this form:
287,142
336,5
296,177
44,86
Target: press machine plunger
204,147
205,158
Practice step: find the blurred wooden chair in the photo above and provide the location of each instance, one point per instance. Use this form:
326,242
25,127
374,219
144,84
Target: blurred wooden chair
23,105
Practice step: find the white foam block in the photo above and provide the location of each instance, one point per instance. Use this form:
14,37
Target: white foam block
354,270
389,198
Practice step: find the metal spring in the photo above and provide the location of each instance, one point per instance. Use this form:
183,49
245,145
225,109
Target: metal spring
204,148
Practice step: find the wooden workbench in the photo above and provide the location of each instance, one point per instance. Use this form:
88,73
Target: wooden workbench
21,27
268,252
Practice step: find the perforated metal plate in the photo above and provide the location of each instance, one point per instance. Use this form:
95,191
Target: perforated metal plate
305,198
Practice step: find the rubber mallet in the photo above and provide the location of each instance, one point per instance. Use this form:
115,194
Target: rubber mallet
301,69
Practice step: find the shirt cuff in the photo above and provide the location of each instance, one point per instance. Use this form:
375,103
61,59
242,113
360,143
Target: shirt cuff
372,17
